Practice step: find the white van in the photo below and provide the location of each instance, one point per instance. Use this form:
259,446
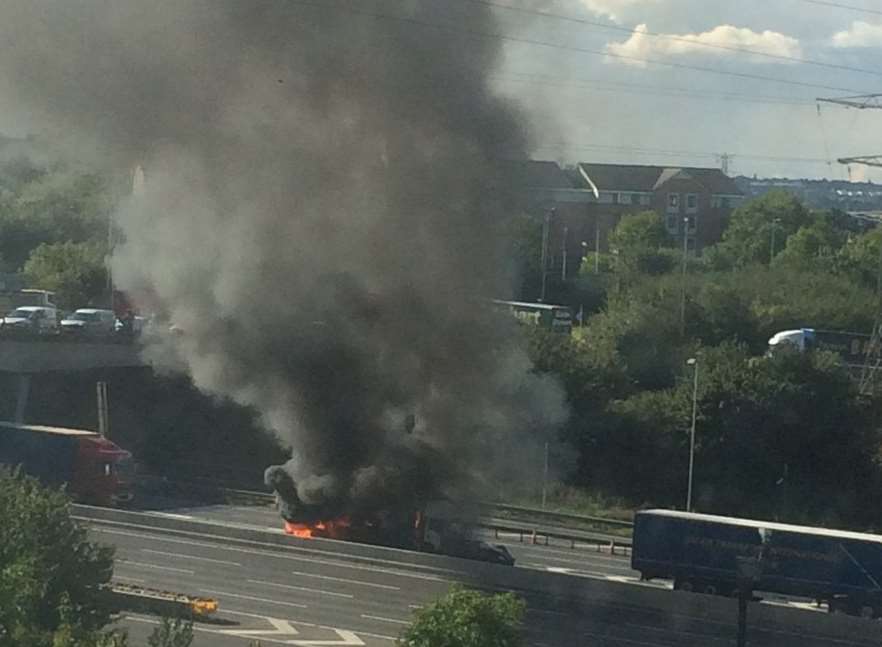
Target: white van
37,320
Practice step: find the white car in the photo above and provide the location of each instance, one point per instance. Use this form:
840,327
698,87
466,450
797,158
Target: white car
89,322
38,320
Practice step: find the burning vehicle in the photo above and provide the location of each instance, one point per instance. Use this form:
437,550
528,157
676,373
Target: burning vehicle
440,527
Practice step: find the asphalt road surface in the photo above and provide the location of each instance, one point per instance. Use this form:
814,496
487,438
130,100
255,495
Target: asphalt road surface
292,595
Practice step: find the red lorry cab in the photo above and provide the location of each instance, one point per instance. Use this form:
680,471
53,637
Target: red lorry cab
94,469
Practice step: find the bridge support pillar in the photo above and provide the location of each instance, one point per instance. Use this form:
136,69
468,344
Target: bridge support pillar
21,397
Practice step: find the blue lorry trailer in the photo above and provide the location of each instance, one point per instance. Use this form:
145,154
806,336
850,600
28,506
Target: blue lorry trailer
701,552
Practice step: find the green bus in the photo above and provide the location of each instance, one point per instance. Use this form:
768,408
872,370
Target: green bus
552,317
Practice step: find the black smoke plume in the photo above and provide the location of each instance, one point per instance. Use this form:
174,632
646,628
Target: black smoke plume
323,219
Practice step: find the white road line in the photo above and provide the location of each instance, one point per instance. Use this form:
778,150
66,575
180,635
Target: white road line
281,555
155,566
172,515
414,606
254,599
303,588
309,624
382,619
566,571
388,587
182,556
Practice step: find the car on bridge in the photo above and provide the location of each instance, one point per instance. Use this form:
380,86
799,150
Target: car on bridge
89,322
31,320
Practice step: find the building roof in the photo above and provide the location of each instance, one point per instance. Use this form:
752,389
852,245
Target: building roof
534,174
638,177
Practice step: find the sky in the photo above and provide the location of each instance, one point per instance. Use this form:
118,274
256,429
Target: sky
617,80
614,81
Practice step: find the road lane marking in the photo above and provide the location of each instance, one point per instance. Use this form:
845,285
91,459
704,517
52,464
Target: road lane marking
300,623
155,566
303,588
414,606
172,515
182,556
388,587
273,550
254,599
382,619
346,638
280,628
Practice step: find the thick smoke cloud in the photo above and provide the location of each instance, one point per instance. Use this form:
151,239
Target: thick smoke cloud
322,219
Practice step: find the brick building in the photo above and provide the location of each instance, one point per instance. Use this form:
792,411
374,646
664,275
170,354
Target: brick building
694,202
548,192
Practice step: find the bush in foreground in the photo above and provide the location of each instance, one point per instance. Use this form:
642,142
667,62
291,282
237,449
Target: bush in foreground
465,618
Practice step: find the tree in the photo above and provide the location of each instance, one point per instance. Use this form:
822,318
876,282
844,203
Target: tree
639,240
465,618
861,257
50,573
748,238
172,633
76,272
56,207
814,244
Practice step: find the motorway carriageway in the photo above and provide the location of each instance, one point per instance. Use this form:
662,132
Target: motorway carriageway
292,595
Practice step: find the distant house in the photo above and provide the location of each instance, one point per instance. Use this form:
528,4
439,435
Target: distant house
694,202
546,191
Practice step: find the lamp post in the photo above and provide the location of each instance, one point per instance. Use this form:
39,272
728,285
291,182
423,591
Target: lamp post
683,278
694,363
546,234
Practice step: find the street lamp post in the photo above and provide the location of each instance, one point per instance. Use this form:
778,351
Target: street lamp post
683,279
546,234
694,363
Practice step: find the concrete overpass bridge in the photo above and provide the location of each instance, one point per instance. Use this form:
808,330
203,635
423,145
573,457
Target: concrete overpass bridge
26,358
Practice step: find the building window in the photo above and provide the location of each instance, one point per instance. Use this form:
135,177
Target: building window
673,202
605,197
722,202
691,202
645,199
691,224
690,244
671,224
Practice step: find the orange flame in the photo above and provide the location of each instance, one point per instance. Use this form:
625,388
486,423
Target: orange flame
333,529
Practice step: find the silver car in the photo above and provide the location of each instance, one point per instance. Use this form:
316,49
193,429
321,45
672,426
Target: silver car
89,322
36,320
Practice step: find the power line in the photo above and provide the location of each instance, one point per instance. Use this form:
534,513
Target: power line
863,102
679,153
673,37
602,85
838,5
581,50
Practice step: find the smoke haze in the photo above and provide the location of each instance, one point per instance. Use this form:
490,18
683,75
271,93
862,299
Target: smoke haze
322,217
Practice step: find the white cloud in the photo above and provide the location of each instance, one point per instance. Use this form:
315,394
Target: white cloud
613,8
861,34
642,45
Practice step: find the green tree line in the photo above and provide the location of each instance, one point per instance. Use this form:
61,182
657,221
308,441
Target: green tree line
786,437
